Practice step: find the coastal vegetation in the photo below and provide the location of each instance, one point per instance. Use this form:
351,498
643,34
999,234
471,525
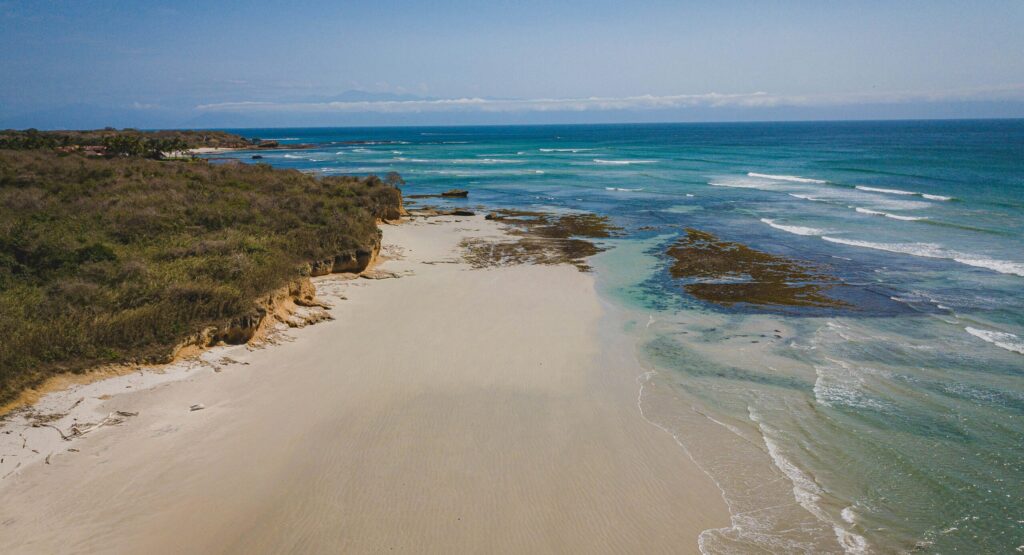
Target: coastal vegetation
119,259
125,142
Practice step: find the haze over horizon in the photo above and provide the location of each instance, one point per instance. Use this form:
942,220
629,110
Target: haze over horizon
259,64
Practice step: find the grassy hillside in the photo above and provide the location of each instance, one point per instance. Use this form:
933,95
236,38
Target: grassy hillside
113,260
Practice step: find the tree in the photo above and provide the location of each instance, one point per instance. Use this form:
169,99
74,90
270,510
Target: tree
394,179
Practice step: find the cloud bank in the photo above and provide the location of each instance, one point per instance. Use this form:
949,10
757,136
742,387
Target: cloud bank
603,104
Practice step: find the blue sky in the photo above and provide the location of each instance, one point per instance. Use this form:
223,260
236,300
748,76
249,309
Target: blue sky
92,63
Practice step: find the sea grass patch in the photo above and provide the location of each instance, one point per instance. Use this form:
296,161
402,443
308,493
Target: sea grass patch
728,273
541,238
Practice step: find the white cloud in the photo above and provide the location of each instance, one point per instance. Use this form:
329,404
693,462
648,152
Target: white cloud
595,103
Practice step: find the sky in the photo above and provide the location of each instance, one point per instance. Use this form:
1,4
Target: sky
93,63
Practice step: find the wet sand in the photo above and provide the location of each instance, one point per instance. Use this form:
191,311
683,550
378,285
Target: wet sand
450,410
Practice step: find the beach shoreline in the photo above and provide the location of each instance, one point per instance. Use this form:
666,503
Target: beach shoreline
451,409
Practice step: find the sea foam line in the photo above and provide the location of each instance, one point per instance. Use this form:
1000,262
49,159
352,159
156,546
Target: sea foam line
931,250
901,192
573,150
623,162
793,178
806,490
1007,341
794,229
888,215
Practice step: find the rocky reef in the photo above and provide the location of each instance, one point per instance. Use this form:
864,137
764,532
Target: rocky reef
540,238
729,273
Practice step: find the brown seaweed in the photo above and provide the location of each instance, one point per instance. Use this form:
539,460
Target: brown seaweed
727,273
541,238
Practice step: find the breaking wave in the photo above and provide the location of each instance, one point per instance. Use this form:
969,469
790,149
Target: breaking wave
888,215
793,178
622,162
807,492
901,192
794,229
1007,341
573,150
931,250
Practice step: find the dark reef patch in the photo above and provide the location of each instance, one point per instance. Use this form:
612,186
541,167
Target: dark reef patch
541,238
728,273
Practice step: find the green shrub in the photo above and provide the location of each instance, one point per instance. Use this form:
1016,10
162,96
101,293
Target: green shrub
119,259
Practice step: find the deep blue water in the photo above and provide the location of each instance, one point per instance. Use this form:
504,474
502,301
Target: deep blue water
893,426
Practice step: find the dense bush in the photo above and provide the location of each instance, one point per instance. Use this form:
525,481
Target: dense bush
110,260
124,142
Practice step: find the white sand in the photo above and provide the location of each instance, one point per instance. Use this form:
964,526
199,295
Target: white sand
448,411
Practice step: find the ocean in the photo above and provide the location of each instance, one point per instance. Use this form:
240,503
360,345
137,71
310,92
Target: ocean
888,417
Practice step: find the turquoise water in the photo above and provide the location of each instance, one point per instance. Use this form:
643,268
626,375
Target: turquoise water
895,425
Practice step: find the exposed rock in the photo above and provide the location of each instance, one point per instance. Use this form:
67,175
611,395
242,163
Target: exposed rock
395,211
321,267
541,238
381,274
453,193
726,273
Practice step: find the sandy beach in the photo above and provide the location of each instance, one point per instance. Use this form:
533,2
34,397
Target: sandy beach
443,410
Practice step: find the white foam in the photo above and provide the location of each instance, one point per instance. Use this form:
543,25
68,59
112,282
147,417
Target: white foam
901,192
892,204
793,178
1001,266
888,191
1007,341
744,184
622,162
931,250
849,515
841,384
888,215
905,218
623,189
807,492
484,161
294,157
573,150
807,197
794,229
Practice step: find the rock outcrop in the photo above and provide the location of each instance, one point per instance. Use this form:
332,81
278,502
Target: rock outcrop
351,261
280,305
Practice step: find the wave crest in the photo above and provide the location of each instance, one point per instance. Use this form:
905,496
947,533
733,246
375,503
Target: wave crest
1007,341
794,229
793,178
931,250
